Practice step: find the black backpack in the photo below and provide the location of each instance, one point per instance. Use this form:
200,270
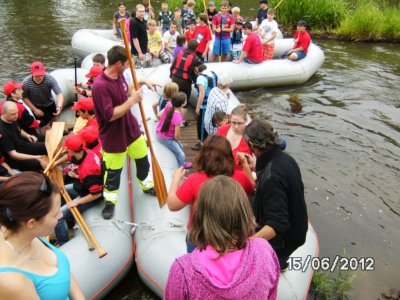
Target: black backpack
212,82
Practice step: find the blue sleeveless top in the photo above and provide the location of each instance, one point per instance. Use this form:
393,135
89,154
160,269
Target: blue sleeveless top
53,287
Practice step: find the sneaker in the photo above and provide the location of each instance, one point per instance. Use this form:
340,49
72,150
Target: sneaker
146,184
186,124
197,146
108,210
187,165
151,191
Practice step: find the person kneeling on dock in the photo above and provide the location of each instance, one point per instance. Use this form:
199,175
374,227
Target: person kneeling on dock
87,192
118,128
169,128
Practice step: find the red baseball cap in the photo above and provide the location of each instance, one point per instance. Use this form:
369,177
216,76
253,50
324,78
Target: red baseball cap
84,104
74,142
11,86
94,71
89,134
37,68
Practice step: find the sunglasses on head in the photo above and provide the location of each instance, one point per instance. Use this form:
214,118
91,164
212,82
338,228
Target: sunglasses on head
45,191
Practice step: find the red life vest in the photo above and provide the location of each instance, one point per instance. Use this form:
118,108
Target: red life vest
182,64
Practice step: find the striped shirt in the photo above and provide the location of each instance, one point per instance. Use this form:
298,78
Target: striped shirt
217,100
40,94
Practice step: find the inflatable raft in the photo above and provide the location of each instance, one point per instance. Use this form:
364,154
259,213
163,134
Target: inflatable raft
276,72
160,235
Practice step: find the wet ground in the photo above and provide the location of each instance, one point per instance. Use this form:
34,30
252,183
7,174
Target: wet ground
343,127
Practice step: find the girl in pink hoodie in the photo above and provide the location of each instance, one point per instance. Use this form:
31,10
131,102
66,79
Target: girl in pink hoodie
228,263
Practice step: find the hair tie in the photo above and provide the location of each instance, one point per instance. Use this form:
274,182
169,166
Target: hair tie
9,215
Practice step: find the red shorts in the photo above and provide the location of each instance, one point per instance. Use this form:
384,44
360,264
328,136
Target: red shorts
268,51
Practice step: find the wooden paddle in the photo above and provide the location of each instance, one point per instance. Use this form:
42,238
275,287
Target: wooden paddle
220,42
79,124
52,161
53,138
90,238
280,2
76,76
158,176
57,176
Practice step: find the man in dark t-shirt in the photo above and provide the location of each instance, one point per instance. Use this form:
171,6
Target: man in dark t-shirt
37,95
138,30
119,129
21,150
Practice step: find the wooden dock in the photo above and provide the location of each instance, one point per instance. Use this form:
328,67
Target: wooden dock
188,139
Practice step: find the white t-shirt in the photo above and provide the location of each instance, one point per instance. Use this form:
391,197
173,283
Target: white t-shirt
268,28
170,39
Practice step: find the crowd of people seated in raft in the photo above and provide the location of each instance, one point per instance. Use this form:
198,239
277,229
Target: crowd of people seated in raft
237,159
164,35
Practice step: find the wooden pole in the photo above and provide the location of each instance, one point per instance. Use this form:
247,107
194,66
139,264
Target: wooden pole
159,182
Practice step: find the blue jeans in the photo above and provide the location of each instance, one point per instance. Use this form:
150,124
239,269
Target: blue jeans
252,62
61,229
175,147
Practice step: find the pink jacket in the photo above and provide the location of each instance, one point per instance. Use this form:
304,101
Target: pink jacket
256,277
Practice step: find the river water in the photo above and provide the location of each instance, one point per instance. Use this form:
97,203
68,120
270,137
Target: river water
343,127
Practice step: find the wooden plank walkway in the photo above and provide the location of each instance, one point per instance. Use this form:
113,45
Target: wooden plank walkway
188,139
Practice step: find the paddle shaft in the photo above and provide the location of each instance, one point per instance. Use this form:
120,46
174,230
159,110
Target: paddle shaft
280,2
76,76
158,177
220,42
52,161
82,224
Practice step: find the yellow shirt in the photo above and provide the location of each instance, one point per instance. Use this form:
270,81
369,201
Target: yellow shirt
154,41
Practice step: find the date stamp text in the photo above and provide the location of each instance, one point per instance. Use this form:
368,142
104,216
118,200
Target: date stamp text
338,262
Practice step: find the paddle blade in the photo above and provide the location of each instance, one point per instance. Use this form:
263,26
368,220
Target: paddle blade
79,124
54,137
159,183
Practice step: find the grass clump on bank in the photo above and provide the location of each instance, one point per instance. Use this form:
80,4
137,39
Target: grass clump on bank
332,286
371,22
320,15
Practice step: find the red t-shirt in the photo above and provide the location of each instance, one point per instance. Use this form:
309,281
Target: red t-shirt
190,188
92,122
190,35
202,34
253,47
242,147
304,40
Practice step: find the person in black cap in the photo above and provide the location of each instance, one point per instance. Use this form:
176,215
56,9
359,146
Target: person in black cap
302,41
262,12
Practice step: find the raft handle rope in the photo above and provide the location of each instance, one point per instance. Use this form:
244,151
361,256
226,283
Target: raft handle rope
134,225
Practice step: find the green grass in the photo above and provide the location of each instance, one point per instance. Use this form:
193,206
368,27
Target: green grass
321,286
319,14
371,21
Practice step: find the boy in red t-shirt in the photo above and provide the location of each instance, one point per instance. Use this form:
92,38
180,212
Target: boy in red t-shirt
190,32
202,34
252,50
302,41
